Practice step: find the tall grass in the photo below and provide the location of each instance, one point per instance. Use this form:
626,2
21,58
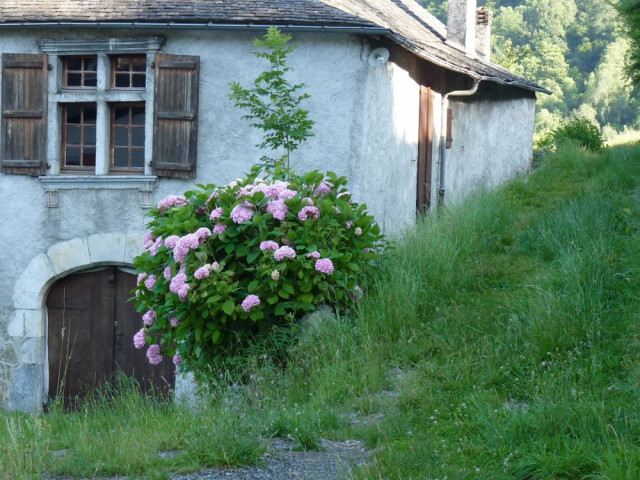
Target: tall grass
499,339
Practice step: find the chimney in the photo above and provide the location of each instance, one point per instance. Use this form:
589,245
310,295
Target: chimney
461,24
484,19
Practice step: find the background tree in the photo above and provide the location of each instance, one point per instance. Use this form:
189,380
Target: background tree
574,49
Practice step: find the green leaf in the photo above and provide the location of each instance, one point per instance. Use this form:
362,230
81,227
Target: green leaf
228,307
215,337
289,288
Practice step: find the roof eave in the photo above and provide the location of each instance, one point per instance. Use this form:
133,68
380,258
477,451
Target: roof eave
404,42
361,29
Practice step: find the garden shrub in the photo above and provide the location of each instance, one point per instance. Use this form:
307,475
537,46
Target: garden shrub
224,265
582,131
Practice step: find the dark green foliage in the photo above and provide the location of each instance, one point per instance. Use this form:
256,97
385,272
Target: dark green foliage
572,48
581,131
630,13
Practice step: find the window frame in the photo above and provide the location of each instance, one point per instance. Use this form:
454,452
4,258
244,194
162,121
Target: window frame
82,72
130,147
63,154
131,72
104,48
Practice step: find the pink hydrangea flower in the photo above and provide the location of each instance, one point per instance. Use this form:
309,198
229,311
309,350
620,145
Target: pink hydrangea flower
366,250
249,302
172,201
284,252
309,212
323,188
141,277
315,254
268,245
174,321
171,241
344,194
308,201
180,286
202,234
140,339
324,265
150,282
156,246
348,224
184,245
167,272
219,228
177,359
202,272
286,194
241,213
147,241
149,318
153,354
216,213
278,209
215,266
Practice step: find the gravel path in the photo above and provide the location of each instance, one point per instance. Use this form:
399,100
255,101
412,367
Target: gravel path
282,463
333,462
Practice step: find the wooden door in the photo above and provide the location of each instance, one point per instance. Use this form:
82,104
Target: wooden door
90,335
425,150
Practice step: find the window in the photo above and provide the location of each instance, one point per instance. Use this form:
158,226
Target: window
128,71
127,137
80,72
106,106
79,136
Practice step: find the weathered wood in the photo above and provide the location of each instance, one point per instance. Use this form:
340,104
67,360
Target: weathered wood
176,115
24,113
425,150
90,336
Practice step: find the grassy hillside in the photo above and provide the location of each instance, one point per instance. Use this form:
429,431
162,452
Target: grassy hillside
499,339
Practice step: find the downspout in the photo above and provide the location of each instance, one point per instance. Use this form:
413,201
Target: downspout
443,132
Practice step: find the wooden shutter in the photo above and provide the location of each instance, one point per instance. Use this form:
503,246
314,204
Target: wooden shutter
176,115
24,113
449,127
425,149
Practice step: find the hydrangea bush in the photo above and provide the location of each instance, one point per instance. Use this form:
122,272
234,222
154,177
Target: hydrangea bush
223,265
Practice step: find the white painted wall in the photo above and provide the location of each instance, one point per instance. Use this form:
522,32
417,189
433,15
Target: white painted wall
492,142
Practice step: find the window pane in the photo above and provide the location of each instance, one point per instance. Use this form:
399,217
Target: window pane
89,136
137,158
123,80
138,64
137,137
72,157
90,114
74,80
122,64
139,81
90,80
121,115
137,115
121,137
89,157
74,63
120,158
74,135
90,64
73,114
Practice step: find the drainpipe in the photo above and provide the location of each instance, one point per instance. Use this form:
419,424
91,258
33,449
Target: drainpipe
443,132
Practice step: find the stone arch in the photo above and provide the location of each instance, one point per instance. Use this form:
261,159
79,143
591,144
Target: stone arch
27,323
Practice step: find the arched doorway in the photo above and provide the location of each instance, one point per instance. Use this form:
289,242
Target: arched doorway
90,330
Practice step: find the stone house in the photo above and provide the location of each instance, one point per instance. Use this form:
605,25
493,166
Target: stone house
108,106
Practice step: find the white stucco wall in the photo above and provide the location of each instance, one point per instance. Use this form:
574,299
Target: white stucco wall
492,142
